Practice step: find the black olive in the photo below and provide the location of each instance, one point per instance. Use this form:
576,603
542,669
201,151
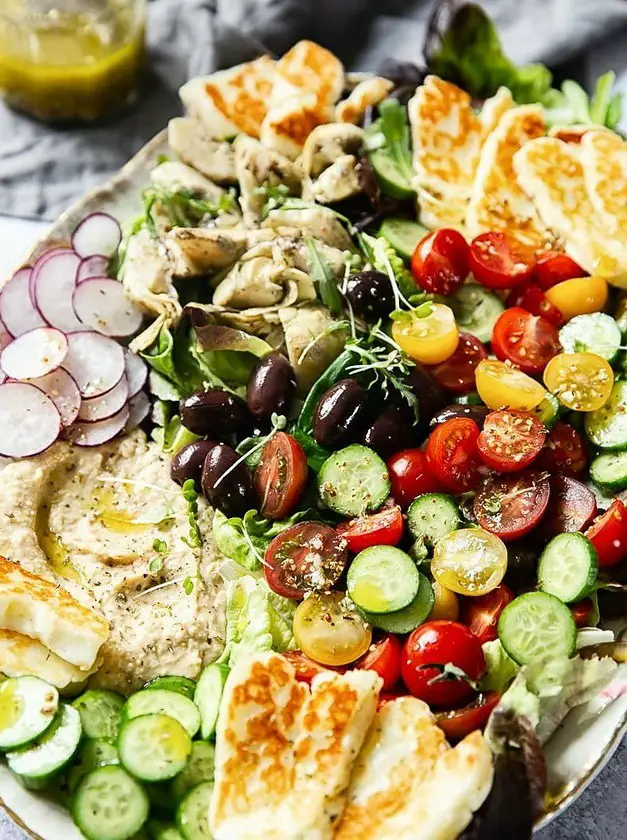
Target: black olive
522,564
235,493
271,385
394,430
402,73
370,294
188,461
431,395
340,414
214,412
477,413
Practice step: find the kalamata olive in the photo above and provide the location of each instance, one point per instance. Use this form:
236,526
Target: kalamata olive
340,414
431,395
188,461
522,564
214,412
477,413
394,430
370,294
235,493
271,385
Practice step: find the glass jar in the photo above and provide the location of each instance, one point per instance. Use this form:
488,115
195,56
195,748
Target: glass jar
70,60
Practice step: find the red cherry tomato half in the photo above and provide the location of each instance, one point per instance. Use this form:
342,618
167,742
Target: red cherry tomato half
582,611
572,507
384,657
564,451
526,340
440,262
553,268
532,298
457,373
511,505
608,534
499,262
510,440
481,614
438,643
458,723
410,476
281,477
306,668
382,528
306,557
452,454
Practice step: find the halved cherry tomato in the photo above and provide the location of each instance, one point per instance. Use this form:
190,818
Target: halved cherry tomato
532,298
306,557
329,630
572,507
306,669
281,477
457,373
458,723
553,267
382,528
430,338
580,381
499,262
440,261
470,561
452,454
582,611
526,340
510,440
501,385
608,534
564,451
579,296
482,614
512,505
384,657
445,603
440,643
410,476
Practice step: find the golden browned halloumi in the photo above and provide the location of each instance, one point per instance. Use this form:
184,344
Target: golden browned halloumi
289,123
604,160
20,655
366,94
308,68
493,109
44,611
284,751
573,133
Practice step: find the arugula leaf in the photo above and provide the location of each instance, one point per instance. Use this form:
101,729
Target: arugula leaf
324,278
183,207
394,127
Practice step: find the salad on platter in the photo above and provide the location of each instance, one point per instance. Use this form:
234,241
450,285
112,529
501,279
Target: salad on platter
312,520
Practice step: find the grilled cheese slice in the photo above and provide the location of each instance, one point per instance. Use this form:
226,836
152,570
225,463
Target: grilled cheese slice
22,656
604,160
308,67
287,125
365,95
47,613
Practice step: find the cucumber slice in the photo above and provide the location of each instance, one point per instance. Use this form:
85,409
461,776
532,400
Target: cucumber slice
390,176
412,616
181,685
609,471
46,757
162,830
476,310
154,747
595,333
535,626
199,768
28,707
159,701
110,805
432,516
91,755
192,816
568,567
548,410
382,579
607,427
354,481
100,713
403,235
208,695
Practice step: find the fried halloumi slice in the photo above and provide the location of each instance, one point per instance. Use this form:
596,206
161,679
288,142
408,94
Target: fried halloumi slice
604,160
191,143
493,109
574,133
408,784
308,67
366,94
22,656
284,751
288,124
47,613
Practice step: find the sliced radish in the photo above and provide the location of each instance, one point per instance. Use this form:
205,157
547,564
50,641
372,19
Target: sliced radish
136,372
63,392
93,434
35,353
16,307
95,361
41,259
29,420
139,407
100,303
99,408
53,285
96,266
98,234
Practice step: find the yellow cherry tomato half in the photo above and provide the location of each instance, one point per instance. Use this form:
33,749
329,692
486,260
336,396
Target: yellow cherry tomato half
430,339
445,605
580,381
578,296
501,385
469,561
329,630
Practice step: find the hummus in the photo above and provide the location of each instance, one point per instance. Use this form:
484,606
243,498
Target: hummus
110,526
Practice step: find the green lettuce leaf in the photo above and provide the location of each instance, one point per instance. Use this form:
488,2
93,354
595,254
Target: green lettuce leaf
500,667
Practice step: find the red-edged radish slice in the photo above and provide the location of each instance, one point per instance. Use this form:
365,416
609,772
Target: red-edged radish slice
35,353
139,407
95,266
93,434
100,303
63,392
53,285
98,234
95,362
5,339
41,259
136,372
16,307
29,420
99,408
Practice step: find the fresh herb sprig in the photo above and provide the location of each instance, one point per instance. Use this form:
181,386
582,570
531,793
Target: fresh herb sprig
194,538
183,207
324,278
